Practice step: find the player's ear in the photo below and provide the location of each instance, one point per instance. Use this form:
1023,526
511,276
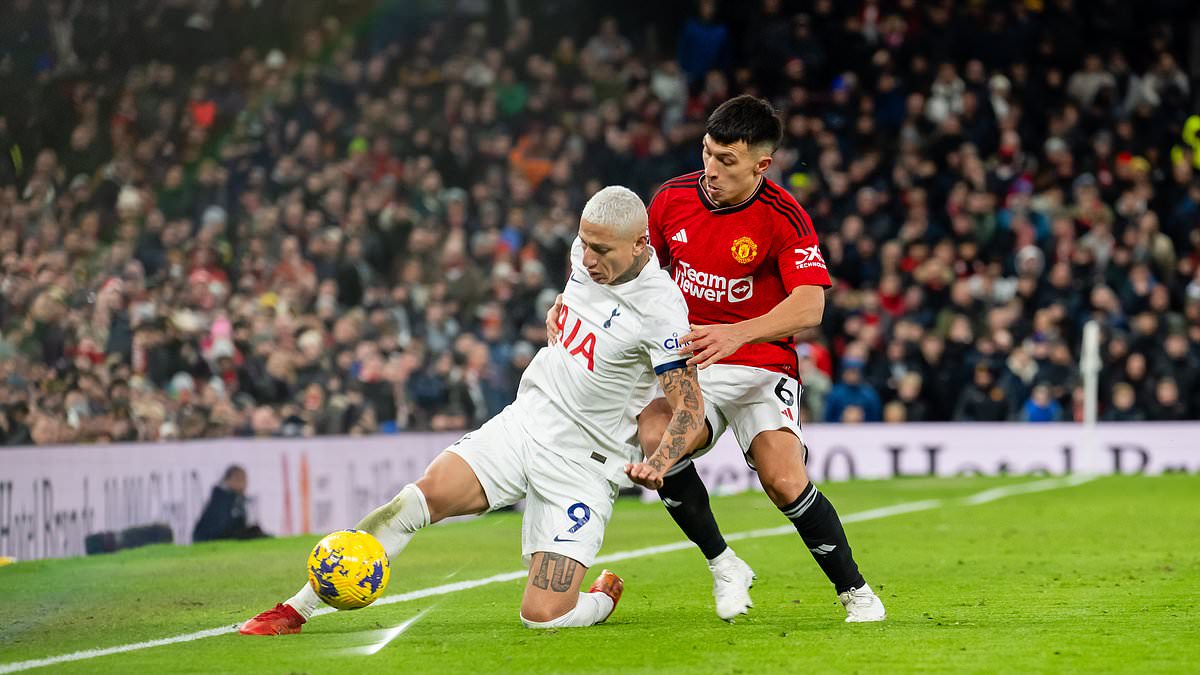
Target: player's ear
641,243
764,163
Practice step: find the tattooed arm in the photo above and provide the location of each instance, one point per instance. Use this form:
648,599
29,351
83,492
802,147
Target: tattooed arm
681,388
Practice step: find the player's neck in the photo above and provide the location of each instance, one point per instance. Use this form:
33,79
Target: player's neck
639,263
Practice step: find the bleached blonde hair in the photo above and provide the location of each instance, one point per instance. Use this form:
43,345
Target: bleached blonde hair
619,208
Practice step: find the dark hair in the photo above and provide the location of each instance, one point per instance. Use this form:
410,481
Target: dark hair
232,470
745,118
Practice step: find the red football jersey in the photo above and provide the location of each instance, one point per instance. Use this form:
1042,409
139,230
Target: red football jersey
737,262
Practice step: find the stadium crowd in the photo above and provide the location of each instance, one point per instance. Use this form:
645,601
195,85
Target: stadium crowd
351,221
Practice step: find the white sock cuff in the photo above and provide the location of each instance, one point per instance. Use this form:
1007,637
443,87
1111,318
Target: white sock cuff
553,623
394,523
418,517
305,601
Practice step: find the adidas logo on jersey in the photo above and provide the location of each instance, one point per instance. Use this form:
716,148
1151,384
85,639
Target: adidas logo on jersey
680,236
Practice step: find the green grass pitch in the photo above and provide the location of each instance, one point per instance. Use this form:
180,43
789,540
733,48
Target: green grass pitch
1103,576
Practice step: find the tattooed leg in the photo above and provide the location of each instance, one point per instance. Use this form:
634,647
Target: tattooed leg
552,598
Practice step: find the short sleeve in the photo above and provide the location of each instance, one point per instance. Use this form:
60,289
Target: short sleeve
800,259
658,238
663,329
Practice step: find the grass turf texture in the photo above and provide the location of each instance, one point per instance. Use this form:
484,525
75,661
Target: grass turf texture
1103,576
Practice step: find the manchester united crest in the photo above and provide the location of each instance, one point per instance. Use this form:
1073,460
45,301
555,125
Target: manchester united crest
744,250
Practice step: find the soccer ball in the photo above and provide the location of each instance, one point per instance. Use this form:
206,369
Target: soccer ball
348,569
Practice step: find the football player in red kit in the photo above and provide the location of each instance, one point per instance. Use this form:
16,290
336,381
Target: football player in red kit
746,256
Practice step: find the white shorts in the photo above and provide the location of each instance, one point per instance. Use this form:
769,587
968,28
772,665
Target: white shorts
567,503
747,401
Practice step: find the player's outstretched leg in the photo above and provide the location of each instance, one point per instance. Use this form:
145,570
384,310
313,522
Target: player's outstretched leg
448,488
552,598
393,524
686,499
779,457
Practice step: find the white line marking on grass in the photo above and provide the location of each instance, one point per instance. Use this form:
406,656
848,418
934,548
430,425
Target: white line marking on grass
454,573
1025,488
872,514
93,653
443,589
393,633
889,511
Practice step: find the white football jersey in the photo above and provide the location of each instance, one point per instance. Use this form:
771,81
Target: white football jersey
581,396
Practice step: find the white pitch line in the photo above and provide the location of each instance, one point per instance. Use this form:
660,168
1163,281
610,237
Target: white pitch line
93,653
443,589
393,633
1025,488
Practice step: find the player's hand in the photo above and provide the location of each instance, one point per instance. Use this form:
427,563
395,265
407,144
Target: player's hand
552,320
645,475
709,344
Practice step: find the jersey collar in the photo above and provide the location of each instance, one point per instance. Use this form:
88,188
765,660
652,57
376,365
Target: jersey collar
718,210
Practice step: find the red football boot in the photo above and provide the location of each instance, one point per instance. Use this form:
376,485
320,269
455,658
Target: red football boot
611,585
282,620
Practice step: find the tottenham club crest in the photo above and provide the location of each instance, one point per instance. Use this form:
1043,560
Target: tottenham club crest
744,250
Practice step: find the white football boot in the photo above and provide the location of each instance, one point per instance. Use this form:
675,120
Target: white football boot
862,605
732,579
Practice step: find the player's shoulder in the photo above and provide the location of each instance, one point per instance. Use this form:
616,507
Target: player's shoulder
659,283
655,292
679,186
785,210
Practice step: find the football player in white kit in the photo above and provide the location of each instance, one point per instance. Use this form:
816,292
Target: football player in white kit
570,438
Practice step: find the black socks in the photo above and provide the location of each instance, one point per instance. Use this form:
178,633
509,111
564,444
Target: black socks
819,526
686,499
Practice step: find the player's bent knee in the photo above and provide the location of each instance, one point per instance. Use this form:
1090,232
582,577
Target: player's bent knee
451,488
541,620
534,625
435,500
783,489
545,615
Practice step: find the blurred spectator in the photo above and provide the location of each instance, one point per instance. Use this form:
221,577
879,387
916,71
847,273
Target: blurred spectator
224,516
215,222
1124,405
853,392
983,400
852,414
704,46
1041,407
908,396
894,412
817,383
16,429
1166,405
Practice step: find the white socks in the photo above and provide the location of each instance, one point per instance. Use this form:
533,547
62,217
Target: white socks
393,524
591,609
305,602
